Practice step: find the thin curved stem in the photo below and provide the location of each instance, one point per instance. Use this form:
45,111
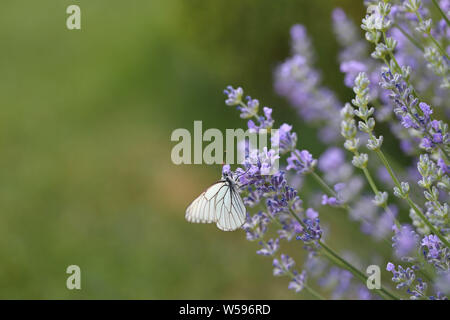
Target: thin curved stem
346,207
356,272
327,189
323,184
314,293
376,192
436,4
382,292
391,54
433,39
409,37
410,202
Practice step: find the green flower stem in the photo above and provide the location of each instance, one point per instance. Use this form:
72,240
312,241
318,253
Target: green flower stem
397,65
370,180
323,184
328,251
376,191
327,189
314,293
444,155
426,268
309,289
335,258
408,199
436,4
346,207
435,200
409,37
356,271
391,54
433,39
438,45
428,223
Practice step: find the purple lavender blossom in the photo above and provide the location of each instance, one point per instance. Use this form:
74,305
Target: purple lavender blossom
226,169
351,69
414,114
436,253
443,284
331,160
289,230
330,201
287,140
234,96
364,293
337,279
301,162
283,265
443,166
311,214
298,282
281,201
299,82
406,279
269,248
334,167
345,29
311,233
405,241
432,243
256,226
404,93
300,42
250,110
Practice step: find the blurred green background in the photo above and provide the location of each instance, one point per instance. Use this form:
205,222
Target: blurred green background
85,124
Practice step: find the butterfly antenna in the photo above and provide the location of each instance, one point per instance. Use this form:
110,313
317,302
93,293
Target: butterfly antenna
243,173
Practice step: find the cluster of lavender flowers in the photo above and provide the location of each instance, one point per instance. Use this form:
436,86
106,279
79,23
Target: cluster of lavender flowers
397,66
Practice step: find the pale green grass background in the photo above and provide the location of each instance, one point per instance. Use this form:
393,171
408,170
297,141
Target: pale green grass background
85,123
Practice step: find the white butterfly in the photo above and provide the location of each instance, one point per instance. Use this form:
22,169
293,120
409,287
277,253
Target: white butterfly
220,204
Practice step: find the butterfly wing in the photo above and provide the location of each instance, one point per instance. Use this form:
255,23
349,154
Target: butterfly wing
221,204
202,209
230,210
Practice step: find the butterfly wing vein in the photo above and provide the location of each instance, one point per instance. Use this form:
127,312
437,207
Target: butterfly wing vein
220,204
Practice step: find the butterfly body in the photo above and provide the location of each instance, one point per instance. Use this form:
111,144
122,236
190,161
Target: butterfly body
220,204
